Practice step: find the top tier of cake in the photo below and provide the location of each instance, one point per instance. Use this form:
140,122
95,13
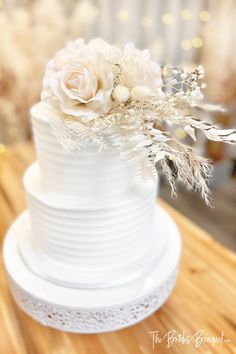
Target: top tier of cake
89,173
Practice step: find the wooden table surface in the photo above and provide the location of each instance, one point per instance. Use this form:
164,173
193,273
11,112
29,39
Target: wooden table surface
204,298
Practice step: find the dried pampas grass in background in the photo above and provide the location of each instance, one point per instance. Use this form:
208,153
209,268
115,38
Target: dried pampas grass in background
30,35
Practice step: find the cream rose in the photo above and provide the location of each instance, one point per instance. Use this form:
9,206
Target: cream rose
79,82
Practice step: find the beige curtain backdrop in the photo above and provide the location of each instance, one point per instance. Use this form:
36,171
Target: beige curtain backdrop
219,51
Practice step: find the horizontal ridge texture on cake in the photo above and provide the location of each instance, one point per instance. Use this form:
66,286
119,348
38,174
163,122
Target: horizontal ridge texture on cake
83,172
113,235
91,219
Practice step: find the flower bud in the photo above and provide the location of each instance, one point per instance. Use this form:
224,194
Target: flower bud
120,93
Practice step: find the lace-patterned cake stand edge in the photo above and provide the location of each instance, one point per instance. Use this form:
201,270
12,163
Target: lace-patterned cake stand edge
93,310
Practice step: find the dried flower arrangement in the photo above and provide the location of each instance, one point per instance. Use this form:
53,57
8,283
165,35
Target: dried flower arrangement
120,99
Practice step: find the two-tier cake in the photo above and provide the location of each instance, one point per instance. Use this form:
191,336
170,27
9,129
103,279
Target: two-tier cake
91,221
94,252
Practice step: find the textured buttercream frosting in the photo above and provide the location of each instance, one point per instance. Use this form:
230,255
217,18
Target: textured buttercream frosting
83,173
90,216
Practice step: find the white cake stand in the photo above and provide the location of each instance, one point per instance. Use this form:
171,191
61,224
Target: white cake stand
93,310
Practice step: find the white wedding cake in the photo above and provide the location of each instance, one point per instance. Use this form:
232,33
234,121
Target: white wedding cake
91,220
94,252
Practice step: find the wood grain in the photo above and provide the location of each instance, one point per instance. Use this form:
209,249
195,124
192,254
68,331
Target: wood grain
203,299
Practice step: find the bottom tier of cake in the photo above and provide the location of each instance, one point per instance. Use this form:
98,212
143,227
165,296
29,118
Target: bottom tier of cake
94,310
89,242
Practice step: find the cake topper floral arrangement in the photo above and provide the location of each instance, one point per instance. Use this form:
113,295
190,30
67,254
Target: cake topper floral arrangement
120,99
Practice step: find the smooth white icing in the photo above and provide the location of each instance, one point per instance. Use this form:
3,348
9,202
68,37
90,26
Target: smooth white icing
89,215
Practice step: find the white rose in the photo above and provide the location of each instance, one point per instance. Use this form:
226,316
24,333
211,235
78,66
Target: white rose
79,82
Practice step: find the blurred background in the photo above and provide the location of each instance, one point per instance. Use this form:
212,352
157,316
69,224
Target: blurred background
185,32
